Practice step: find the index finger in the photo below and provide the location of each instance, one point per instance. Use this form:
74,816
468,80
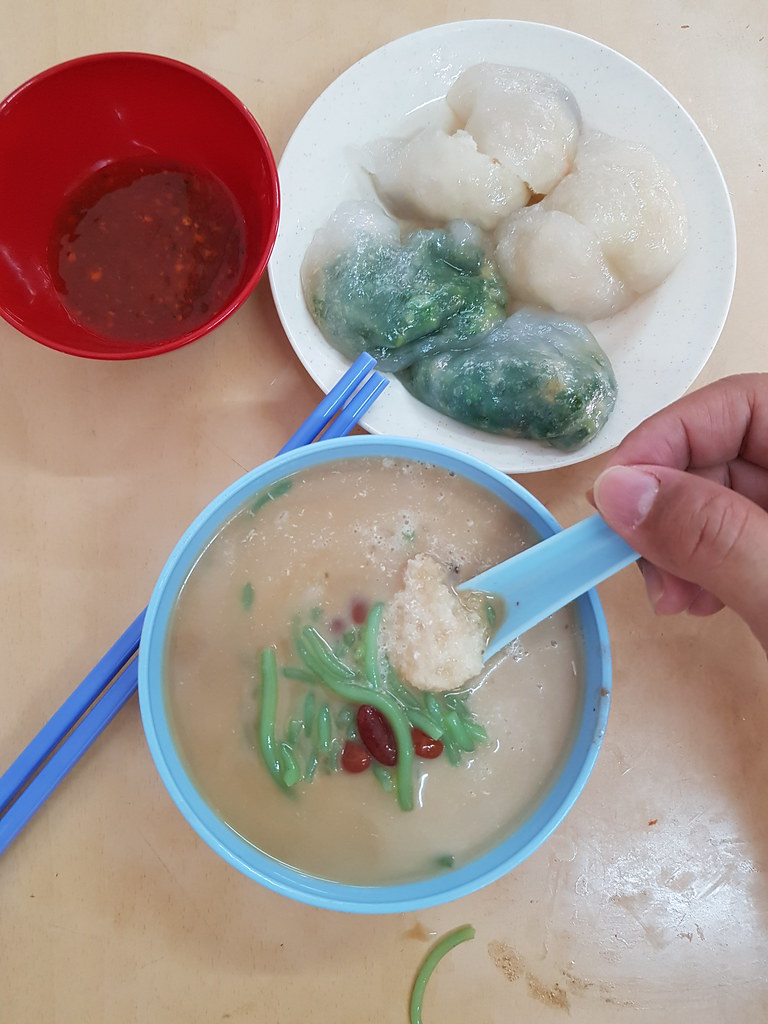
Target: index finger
714,425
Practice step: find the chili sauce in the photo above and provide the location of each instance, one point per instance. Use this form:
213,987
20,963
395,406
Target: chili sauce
143,251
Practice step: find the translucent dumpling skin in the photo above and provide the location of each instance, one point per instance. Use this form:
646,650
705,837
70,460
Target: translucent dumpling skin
631,201
434,177
551,259
612,229
537,376
515,134
398,300
525,119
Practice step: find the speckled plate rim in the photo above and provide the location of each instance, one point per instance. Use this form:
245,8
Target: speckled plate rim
288,881
658,346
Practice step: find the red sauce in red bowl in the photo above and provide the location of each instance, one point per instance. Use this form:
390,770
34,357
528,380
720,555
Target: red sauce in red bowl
143,252
98,145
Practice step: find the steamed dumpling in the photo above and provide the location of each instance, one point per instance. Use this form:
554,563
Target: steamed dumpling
516,135
550,259
352,225
526,120
611,230
632,203
536,375
435,177
399,299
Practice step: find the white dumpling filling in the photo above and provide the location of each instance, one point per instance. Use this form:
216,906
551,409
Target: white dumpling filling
436,176
613,229
433,639
527,120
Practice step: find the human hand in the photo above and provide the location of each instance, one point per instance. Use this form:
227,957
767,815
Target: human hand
688,489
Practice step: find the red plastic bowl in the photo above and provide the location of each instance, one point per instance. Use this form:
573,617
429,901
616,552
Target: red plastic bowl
69,121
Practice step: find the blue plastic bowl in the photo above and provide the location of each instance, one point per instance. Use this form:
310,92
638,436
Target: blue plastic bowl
281,877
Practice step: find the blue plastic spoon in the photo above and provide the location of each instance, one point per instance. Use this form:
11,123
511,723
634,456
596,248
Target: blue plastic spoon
545,577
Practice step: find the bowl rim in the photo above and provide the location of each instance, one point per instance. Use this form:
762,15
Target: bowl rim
281,878
144,349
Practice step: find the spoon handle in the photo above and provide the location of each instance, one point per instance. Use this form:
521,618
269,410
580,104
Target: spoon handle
545,577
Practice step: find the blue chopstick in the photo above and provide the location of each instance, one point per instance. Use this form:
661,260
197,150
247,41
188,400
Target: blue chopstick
27,763
68,754
94,703
353,411
330,405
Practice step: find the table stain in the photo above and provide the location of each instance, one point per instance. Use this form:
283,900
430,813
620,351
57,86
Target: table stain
419,932
512,965
603,989
558,995
509,962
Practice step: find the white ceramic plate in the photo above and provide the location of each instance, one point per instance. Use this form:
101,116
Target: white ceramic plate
657,347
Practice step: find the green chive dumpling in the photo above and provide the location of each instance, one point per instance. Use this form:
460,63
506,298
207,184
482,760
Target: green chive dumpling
537,375
397,298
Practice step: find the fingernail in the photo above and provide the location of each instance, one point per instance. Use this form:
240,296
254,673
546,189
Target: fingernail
624,495
654,582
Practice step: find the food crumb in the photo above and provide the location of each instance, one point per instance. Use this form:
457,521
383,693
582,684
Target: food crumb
550,995
509,962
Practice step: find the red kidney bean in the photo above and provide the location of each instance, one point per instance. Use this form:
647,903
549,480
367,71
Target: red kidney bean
354,757
358,611
425,746
376,733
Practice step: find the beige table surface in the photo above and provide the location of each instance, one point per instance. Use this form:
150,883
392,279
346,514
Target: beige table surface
649,904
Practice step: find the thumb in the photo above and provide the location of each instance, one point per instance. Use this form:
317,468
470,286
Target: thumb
695,529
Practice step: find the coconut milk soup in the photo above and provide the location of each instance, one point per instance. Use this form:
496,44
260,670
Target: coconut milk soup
318,552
